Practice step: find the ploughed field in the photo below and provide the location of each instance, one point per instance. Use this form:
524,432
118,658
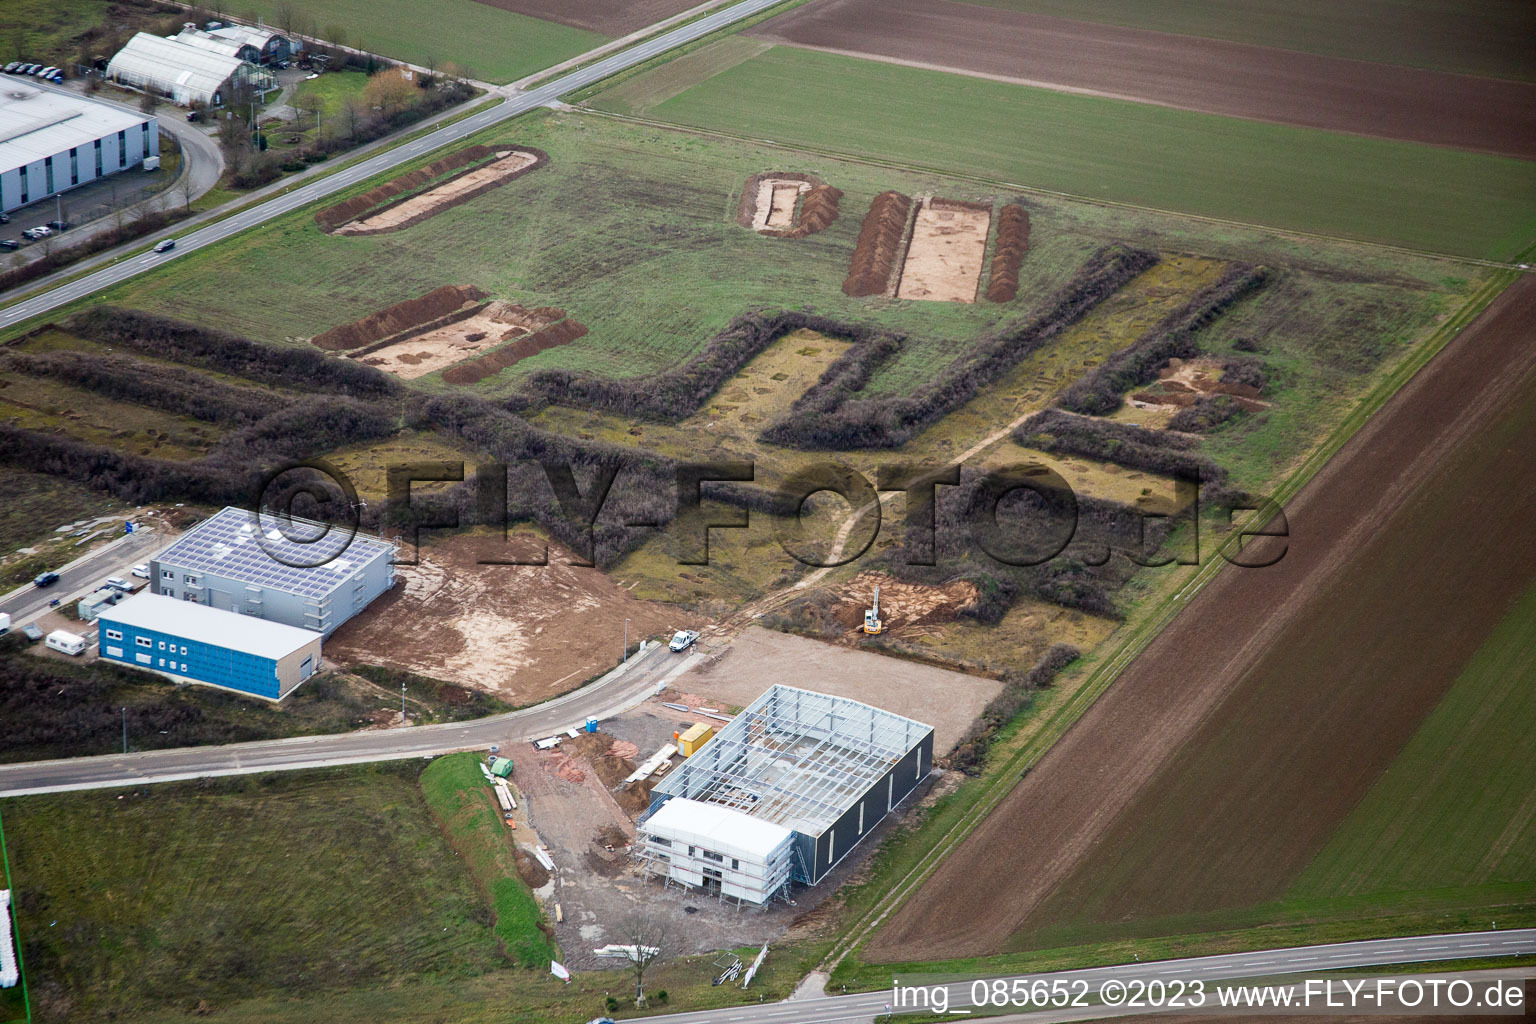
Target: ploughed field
1323,729
1210,75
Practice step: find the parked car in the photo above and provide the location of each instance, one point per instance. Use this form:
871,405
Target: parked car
193,115
45,579
59,225
5,218
10,68
57,78
118,583
682,640
166,246
9,244
141,570
48,72
38,232
37,69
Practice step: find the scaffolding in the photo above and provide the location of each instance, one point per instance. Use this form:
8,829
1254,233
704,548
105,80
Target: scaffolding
796,758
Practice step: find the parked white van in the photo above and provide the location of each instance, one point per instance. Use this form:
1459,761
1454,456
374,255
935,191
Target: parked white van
66,642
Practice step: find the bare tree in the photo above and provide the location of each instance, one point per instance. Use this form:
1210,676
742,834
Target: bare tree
653,938
147,101
336,34
352,116
183,190
311,104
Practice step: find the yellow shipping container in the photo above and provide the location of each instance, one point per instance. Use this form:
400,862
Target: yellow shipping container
696,735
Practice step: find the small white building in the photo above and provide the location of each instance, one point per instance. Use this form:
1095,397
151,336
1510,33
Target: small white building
706,845
184,73
52,141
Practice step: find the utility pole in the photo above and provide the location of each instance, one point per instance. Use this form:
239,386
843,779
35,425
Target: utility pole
626,640
402,704
125,730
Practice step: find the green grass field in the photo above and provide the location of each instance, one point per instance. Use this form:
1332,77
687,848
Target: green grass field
1457,808
1475,37
1293,178
334,89
462,802
141,902
490,44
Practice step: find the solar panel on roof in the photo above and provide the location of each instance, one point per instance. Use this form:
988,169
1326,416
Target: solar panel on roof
220,545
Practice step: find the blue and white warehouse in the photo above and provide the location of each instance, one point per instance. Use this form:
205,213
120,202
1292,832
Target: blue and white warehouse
194,643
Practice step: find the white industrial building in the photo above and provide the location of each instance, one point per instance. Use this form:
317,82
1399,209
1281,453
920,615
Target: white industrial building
258,44
701,844
52,141
291,570
821,769
186,73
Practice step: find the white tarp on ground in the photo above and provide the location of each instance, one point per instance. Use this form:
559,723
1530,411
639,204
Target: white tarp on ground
10,974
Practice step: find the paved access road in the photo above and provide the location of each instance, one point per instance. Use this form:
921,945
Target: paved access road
867,1006
518,104
618,691
80,576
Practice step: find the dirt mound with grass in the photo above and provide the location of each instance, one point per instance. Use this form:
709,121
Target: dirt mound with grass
787,204
879,246
1012,243
459,176
411,314
493,362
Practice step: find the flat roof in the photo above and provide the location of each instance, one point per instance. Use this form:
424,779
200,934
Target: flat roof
716,828
236,543
796,758
38,123
192,621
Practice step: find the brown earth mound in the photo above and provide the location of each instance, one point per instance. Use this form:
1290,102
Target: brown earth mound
381,199
1012,243
817,209
333,217
402,316
562,333
529,870
879,246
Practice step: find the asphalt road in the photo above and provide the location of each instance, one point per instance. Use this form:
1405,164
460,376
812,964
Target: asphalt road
79,577
618,691
518,104
867,1006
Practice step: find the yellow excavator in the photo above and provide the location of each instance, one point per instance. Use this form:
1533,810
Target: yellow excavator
872,624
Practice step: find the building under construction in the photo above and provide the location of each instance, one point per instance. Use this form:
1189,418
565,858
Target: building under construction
784,791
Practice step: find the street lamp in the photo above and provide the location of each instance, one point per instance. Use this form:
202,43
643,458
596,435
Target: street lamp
402,703
125,730
626,640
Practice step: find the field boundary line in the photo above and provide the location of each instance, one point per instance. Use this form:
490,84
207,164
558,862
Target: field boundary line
1116,204
21,967
1064,717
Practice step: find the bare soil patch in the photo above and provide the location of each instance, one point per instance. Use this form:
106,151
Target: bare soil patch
949,240
1183,382
607,17
878,249
515,351
787,204
1183,791
455,338
758,658
524,633
1209,75
412,314
415,208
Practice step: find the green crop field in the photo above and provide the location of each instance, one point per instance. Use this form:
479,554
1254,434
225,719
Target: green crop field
462,801
1298,179
201,894
1457,808
489,43
1475,37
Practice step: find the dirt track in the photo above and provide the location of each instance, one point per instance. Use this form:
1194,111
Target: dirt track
1082,827
1178,71
608,17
